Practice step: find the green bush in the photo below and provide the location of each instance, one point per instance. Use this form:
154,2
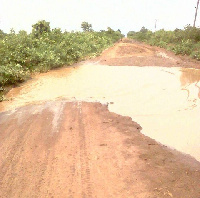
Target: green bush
185,47
11,74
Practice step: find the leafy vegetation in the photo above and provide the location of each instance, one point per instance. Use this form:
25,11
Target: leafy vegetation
43,49
184,42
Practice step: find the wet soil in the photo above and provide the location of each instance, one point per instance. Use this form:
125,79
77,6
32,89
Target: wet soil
70,148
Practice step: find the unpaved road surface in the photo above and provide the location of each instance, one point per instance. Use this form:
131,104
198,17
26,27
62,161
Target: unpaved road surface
79,149
129,53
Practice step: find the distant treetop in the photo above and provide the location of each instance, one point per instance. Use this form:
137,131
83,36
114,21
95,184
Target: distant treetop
86,27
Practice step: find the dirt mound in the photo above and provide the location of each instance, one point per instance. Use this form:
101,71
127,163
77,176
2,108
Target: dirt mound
132,50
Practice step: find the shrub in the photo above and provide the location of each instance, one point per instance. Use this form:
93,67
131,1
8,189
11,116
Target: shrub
11,74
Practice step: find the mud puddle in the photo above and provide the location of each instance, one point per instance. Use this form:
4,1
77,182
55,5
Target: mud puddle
164,101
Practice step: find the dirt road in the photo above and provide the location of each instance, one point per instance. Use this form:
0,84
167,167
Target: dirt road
129,53
80,149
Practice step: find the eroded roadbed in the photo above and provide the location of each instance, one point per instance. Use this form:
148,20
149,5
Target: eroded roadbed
80,149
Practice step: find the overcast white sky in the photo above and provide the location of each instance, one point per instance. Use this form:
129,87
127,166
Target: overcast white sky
125,15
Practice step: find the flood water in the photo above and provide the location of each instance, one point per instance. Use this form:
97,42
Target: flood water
164,101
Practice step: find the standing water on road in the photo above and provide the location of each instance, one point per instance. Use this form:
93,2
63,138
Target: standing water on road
164,101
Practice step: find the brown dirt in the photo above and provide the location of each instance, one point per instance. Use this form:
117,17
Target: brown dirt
86,151
79,149
134,53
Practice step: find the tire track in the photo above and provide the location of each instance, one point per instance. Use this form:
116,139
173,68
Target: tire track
84,160
73,179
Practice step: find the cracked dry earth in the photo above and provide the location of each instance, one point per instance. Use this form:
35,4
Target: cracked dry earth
65,149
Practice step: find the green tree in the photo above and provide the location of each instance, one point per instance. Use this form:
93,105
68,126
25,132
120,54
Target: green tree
2,34
110,30
131,33
23,32
12,31
144,30
86,27
40,28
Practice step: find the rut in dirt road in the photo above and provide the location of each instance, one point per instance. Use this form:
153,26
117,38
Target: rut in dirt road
84,159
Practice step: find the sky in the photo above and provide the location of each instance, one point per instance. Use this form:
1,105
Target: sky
126,15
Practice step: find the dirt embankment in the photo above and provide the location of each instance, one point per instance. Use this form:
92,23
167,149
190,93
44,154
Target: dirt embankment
79,149
134,53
